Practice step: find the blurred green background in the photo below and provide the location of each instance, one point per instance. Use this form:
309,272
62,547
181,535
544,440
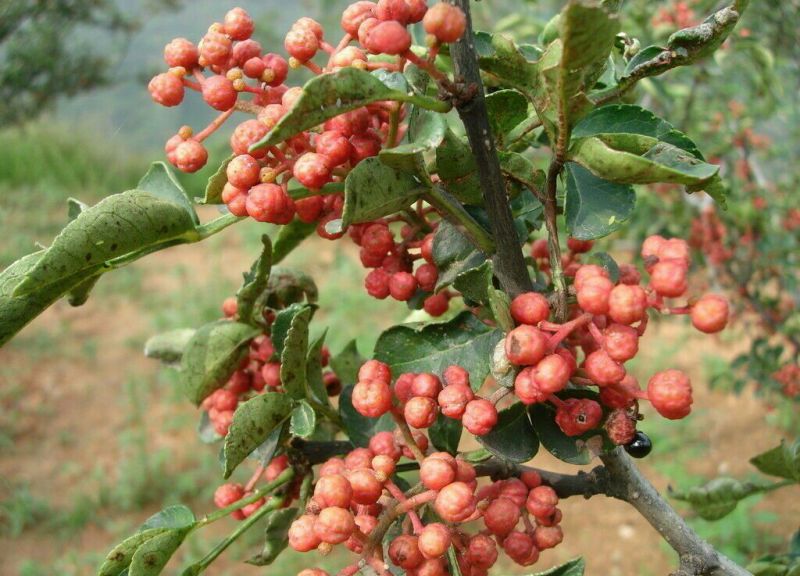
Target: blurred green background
94,438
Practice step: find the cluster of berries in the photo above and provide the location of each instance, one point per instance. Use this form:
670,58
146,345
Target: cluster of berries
354,497
607,321
258,372
230,493
788,376
223,62
417,399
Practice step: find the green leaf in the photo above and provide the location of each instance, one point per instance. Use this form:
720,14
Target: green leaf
212,355
426,130
255,282
253,422
329,95
606,261
499,56
634,159
445,434
474,283
276,536
267,449
160,181
315,385
513,437
684,46
152,556
457,169
171,517
303,421
507,109
574,567
216,182
631,119
293,356
290,237
595,207
347,363
517,167
573,449
373,190
719,497
464,341
453,254
782,461
360,429
121,555
169,346
282,324
113,228
17,312
587,34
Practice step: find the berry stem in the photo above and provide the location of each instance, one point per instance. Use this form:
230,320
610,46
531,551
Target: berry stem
214,125
400,497
313,67
556,401
596,334
394,124
407,436
428,66
254,478
566,329
284,478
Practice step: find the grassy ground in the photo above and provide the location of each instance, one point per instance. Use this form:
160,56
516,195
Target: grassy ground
94,438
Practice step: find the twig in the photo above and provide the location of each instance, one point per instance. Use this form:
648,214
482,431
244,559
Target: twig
551,223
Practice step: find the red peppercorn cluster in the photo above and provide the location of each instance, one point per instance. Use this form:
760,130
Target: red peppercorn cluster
232,72
258,372
417,399
607,321
354,494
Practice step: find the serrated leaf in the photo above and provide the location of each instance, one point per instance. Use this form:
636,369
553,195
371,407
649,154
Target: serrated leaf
303,420
574,567
507,109
169,346
216,183
212,355
329,95
445,434
121,555
17,312
347,363
282,324
634,159
152,556
595,207
373,190
359,428
171,517
293,356
464,341
606,261
255,281
573,449
276,536
457,169
253,422
719,497
160,181
315,385
426,130
499,56
453,254
116,226
513,437
631,119
782,461
289,237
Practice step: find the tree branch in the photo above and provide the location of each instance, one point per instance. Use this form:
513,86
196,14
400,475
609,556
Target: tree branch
509,264
550,216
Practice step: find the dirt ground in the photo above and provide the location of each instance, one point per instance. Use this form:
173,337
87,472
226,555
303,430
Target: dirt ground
67,393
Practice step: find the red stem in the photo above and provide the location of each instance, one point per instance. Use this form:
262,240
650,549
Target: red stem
566,329
216,123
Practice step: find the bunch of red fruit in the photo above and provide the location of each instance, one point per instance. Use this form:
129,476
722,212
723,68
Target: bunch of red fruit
354,500
608,319
420,398
227,65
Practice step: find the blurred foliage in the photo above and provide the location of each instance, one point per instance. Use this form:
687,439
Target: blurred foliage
42,58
